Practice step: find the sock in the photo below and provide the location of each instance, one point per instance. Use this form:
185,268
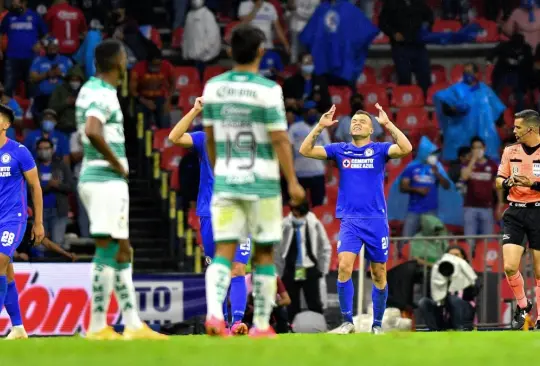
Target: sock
518,288
378,297
238,298
125,294
537,291
264,294
217,280
102,285
3,290
345,294
226,308
11,303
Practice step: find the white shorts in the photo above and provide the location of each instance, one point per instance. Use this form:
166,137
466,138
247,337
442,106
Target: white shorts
107,205
233,219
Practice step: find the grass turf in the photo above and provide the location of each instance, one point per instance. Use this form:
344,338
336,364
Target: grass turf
457,349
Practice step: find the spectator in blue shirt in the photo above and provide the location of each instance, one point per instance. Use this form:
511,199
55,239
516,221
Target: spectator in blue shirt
47,72
421,180
24,28
17,110
271,65
47,131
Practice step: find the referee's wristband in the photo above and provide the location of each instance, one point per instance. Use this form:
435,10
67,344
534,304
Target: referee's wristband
536,186
506,184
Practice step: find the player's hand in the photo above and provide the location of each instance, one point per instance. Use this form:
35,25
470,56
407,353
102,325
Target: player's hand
398,37
327,119
522,181
199,104
73,257
24,257
297,193
383,117
54,183
121,170
38,233
423,191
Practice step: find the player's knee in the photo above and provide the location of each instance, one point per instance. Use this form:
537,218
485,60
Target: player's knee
510,268
345,270
238,269
4,263
379,278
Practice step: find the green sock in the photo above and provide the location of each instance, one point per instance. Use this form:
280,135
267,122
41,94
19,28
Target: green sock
264,294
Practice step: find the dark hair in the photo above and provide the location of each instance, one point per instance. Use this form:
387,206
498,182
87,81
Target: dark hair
44,139
245,43
106,53
464,150
529,116
461,250
8,112
363,112
154,54
477,139
356,96
473,65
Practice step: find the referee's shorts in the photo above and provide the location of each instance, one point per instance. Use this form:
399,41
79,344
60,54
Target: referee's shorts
520,220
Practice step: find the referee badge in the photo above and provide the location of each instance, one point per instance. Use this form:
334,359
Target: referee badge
515,170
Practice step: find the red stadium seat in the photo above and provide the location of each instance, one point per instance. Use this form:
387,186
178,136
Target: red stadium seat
188,96
456,75
368,76
381,39
186,76
434,89
211,71
171,156
174,177
228,31
23,103
340,97
177,37
438,74
161,139
408,96
488,73
374,94
509,118
331,195
290,70
388,74
446,26
412,118
490,32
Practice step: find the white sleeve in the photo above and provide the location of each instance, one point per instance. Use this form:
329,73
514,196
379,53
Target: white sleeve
98,108
244,9
275,118
75,143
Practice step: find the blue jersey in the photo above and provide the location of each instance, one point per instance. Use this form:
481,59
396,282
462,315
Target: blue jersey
422,176
15,160
23,32
361,182
206,183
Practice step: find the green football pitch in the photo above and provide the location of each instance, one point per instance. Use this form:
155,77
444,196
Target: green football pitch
448,349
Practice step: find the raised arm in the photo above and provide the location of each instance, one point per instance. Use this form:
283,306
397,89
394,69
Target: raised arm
402,146
308,148
178,135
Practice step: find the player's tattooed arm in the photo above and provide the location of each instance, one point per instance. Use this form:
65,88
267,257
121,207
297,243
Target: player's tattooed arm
178,135
402,146
308,148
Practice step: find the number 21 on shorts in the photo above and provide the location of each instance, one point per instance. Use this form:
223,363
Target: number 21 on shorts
384,243
7,238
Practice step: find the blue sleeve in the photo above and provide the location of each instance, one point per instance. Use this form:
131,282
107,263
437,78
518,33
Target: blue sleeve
385,147
331,151
16,108
407,173
41,26
199,141
26,161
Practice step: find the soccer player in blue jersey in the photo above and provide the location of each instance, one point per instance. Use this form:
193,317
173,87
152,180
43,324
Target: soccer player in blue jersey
361,205
16,166
238,290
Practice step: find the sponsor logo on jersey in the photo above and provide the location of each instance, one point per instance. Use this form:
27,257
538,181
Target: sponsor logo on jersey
358,163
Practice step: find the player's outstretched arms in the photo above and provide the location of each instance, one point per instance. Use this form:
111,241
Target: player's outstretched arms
402,146
308,148
178,135
94,131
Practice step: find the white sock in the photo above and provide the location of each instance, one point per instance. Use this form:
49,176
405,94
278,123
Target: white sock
217,279
102,285
125,294
264,294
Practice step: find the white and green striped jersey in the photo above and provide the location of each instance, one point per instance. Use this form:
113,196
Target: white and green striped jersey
244,108
98,99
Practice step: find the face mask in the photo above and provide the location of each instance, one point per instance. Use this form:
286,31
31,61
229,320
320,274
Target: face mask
468,78
312,119
308,69
48,125
45,154
432,159
75,85
196,4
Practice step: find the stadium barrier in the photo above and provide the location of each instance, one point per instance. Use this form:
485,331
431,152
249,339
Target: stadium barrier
55,298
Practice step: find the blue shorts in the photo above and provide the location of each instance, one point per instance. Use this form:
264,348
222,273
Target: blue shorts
243,251
371,232
11,236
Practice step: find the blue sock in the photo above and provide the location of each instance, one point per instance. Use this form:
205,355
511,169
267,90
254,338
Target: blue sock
379,304
226,308
238,296
11,303
3,290
346,293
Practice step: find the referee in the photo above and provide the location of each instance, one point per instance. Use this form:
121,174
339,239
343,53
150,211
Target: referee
519,174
